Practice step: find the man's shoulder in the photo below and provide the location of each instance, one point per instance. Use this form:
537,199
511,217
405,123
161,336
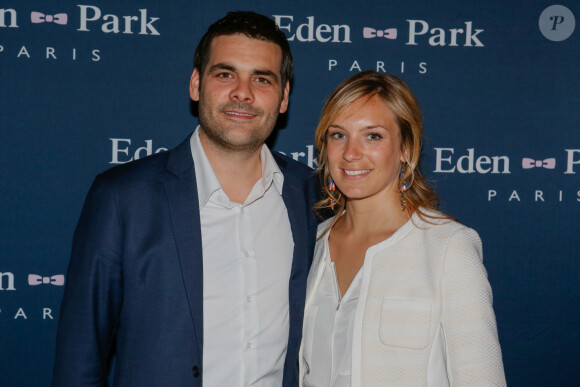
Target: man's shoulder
292,167
156,167
146,168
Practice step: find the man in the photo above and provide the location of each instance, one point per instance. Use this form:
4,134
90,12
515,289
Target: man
191,265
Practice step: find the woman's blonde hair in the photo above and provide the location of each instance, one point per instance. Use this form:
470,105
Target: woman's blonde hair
398,98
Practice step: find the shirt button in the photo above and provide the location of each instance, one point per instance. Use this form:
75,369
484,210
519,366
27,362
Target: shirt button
246,253
195,370
249,299
249,345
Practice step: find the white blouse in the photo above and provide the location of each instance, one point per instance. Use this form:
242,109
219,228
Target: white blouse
328,329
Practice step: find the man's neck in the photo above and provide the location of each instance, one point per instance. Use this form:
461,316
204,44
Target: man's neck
237,172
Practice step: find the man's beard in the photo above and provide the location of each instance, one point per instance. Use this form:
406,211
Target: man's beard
226,138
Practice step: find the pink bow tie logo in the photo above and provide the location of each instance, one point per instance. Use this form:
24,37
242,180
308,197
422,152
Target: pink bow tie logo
389,33
531,163
56,280
39,17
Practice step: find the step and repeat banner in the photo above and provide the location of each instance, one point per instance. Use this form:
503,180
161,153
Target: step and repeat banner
89,85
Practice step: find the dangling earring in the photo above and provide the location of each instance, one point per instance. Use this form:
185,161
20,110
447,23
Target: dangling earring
403,188
331,189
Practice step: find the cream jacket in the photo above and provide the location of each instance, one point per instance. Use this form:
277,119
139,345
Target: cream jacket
425,315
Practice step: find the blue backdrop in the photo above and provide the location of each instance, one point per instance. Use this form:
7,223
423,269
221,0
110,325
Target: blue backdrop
87,86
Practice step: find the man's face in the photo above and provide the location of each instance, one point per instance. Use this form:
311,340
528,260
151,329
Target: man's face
241,93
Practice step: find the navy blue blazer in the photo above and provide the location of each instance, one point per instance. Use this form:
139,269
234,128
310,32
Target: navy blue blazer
134,287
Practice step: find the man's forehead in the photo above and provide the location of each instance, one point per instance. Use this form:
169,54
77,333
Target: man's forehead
229,48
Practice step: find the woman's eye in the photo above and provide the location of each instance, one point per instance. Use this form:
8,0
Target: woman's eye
374,136
336,136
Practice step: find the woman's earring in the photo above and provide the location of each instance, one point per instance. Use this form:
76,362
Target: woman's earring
331,189
403,188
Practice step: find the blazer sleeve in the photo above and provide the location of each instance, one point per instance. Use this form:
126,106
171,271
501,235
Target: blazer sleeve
93,293
473,349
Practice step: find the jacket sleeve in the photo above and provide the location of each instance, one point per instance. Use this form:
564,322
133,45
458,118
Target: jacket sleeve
473,350
93,293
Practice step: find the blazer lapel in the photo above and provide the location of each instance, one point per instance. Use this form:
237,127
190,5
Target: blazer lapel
293,196
184,209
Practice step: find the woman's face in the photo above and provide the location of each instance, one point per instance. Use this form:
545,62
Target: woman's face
364,151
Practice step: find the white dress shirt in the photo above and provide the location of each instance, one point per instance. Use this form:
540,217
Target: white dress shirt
247,259
328,328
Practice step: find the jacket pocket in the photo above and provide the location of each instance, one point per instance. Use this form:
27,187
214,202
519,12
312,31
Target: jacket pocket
405,323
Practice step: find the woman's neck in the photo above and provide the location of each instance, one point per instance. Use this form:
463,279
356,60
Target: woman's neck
371,216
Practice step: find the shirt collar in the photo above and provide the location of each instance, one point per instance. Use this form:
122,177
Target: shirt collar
270,170
207,181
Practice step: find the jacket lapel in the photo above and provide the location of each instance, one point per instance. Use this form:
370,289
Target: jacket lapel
295,198
184,210
296,207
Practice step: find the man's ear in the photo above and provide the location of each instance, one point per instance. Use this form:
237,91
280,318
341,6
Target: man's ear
194,85
285,98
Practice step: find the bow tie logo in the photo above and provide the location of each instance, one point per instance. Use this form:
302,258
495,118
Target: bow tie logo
39,17
389,33
56,280
531,163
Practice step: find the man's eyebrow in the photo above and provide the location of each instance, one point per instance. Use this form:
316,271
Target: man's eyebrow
225,66
221,66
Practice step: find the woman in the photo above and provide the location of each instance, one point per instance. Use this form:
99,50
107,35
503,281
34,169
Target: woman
397,294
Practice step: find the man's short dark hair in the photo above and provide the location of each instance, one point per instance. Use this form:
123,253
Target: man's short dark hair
252,25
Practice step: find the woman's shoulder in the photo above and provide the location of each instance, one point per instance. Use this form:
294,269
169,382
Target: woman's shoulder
442,224
323,226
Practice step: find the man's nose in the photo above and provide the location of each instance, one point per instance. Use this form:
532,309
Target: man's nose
242,91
